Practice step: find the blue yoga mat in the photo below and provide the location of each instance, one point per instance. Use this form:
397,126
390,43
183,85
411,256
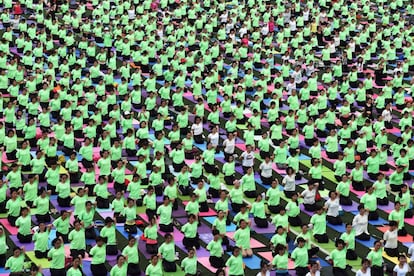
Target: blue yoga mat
368,244
252,262
229,228
338,228
121,230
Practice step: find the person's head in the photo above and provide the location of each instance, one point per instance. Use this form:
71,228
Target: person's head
393,225
120,260
77,225
168,238
280,230
361,209
242,224
402,259
314,266
301,242
377,245
236,251
17,251
339,244
365,263
191,252
154,259
166,200
56,243
99,241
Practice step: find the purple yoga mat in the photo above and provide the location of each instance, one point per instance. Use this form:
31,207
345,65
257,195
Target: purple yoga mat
142,248
302,208
270,229
351,208
27,246
206,237
179,213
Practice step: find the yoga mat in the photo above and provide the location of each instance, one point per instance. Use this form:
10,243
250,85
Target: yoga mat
368,244
142,248
391,259
204,261
12,230
351,208
121,230
253,242
229,228
379,221
27,246
270,229
210,212
44,263
252,262
338,228
409,221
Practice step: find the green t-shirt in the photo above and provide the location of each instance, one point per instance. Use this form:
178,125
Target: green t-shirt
235,265
24,224
62,226
116,270
190,230
98,254
370,201
375,257
319,224
152,270
77,239
167,250
242,238
349,238
280,262
165,213
215,248
57,256
300,256
189,265
41,240
15,264
339,258
110,234
132,253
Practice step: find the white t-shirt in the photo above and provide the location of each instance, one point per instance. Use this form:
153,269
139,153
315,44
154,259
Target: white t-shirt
333,207
411,252
401,271
360,224
248,159
290,183
260,273
317,273
197,129
229,146
360,273
391,239
308,196
266,169
214,138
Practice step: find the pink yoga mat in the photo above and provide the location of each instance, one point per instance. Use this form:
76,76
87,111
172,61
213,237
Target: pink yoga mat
206,263
268,256
8,227
253,242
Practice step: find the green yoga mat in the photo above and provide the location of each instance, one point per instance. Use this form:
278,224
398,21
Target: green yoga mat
326,172
179,272
356,264
44,263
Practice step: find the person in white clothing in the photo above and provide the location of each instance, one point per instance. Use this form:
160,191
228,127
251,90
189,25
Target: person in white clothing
332,208
266,171
365,269
214,138
247,158
391,239
315,269
197,129
264,269
289,182
308,196
360,224
402,268
229,146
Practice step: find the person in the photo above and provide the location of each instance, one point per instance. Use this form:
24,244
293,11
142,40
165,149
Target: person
360,224
300,257
15,263
87,218
77,240
236,197
130,214
318,221
216,250
259,212
56,257
279,238
280,260
349,238
189,263
151,235
242,239
13,206
62,225
150,202
264,269
98,254
108,232
167,252
338,258
289,182
76,267
308,196
307,236
120,268
343,190
332,208
376,260
235,263
315,268
165,213
3,247
273,197
24,223
369,200
293,211
189,229
132,257
365,269
390,239
402,268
